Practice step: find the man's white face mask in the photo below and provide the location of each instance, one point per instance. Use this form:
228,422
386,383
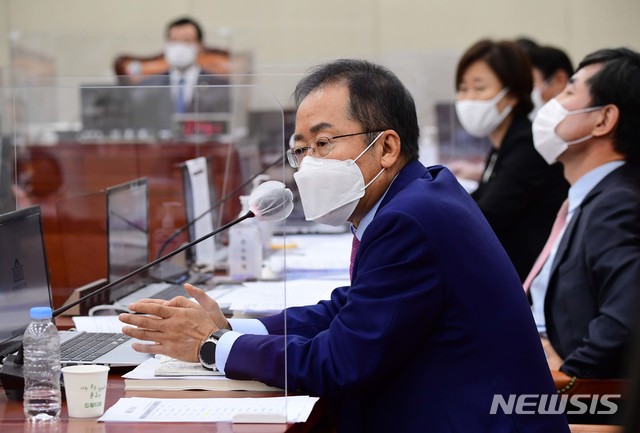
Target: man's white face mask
545,139
330,189
180,54
481,118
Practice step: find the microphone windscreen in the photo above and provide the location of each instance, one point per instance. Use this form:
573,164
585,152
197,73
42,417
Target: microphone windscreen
271,201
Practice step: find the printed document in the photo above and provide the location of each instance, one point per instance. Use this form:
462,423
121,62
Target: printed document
255,410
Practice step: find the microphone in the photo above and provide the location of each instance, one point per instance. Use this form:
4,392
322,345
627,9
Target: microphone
270,201
177,232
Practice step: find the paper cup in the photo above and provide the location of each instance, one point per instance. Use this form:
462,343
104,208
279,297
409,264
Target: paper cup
85,387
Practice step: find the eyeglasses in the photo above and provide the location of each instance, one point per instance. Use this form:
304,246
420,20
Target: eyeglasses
320,147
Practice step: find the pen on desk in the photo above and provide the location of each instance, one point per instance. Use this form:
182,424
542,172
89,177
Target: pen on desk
289,246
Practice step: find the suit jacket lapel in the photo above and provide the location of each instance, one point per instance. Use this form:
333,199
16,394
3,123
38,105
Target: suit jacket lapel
569,232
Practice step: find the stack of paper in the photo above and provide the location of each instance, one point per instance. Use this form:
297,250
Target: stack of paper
264,297
144,377
315,256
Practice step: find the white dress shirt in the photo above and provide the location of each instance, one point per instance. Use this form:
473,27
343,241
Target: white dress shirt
190,80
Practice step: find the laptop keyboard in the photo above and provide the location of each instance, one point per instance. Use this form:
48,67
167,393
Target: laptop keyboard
89,346
163,291
170,292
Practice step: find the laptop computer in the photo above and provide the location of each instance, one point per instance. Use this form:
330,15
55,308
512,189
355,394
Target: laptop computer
199,195
24,283
197,201
128,246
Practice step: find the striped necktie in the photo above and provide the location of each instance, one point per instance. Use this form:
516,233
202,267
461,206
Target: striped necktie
355,244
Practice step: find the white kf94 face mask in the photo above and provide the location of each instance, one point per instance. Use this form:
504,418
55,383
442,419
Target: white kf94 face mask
330,189
545,139
481,118
180,54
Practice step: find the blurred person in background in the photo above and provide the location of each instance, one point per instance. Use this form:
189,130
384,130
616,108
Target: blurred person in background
518,192
551,68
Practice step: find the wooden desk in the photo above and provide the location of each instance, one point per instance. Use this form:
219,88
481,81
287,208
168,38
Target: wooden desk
12,418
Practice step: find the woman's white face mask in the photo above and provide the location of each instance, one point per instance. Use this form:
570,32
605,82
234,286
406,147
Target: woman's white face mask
545,139
481,118
330,189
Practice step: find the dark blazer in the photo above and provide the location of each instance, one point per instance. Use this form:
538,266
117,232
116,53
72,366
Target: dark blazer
595,279
434,324
522,196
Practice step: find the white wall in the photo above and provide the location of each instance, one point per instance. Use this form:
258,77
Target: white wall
284,31
420,40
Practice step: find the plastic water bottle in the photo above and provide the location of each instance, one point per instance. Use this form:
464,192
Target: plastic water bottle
41,367
245,248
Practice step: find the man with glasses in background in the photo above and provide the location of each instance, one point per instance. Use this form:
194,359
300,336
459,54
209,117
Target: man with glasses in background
423,339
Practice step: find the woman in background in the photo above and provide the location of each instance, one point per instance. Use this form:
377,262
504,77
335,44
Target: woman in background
518,192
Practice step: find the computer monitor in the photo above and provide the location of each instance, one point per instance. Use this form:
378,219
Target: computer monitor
105,108
24,278
127,234
453,141
198,197
151,109
115,109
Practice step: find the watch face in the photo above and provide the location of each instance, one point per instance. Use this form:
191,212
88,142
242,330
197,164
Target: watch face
208,354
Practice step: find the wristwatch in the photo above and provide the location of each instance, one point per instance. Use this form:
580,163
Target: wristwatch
207,354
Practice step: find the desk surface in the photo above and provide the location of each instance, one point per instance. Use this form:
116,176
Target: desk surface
12,418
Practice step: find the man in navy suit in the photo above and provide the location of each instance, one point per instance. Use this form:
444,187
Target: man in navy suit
434,326
584,296
185,88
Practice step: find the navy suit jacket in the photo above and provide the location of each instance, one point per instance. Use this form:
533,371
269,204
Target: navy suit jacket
434,324
595,279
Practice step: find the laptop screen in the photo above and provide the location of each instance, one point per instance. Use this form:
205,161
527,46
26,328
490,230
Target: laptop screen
198,197
127,234
24,279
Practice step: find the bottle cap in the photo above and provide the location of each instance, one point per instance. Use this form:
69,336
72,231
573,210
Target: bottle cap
40,313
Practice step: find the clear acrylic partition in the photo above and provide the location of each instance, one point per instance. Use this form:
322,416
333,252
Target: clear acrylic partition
70,139
454,143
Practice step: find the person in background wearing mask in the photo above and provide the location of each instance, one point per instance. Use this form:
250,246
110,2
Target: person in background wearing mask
551,69
587,286
421,340
184,42
518,192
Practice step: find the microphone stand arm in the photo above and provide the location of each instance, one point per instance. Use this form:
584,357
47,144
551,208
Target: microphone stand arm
62,309
181,230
